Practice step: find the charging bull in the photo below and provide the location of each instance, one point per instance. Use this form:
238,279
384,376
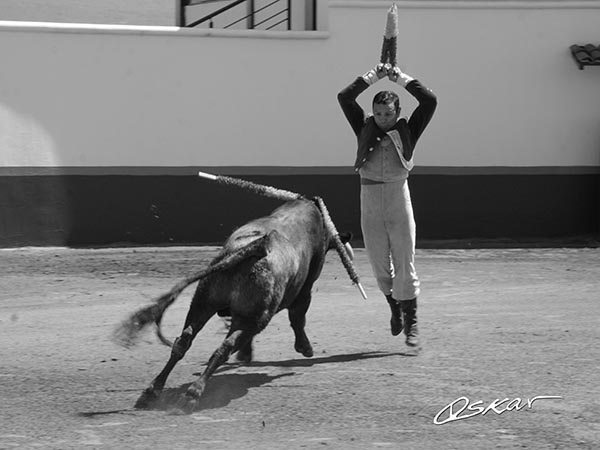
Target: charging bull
265,266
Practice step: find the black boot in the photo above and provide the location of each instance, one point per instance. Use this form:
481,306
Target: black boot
409,315
396,320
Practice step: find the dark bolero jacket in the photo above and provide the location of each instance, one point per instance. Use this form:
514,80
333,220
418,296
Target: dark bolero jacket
368,133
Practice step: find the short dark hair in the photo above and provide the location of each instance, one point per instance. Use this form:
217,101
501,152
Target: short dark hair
387,97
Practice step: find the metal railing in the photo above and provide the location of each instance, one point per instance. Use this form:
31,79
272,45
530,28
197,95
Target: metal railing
265,16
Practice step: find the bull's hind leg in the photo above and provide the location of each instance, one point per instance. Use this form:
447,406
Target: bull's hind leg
235,339
181,345
245,353
297,315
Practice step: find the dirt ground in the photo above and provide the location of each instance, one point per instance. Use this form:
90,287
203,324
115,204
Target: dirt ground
495,324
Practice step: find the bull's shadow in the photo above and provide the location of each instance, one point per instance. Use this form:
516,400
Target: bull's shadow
220,390
223,387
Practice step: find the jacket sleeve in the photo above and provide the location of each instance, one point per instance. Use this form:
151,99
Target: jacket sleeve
421,116
352,110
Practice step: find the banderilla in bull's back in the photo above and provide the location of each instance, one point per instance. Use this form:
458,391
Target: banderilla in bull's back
281,194
265,266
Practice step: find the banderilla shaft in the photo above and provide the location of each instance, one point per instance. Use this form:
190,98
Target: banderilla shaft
281,194
267,191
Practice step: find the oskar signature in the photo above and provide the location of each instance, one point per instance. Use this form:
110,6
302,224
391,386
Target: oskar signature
462,408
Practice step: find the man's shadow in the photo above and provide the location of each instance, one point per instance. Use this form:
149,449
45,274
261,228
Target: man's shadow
308,362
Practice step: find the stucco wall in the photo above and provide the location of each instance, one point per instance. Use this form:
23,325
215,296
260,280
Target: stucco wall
96,119
129,12
509,93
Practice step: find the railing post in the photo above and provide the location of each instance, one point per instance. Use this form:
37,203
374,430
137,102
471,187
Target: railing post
289,14
180,12
250,12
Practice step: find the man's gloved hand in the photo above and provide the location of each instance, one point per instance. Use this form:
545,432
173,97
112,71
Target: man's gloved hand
382,70
397,76
377,73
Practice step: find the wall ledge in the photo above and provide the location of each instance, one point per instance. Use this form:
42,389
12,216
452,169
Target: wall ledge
142,30
469,4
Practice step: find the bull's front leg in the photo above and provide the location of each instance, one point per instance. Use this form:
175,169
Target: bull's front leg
152,392
195,321
235,339
297,315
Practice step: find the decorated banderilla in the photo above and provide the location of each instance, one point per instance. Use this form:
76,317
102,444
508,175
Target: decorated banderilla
281,194
390,38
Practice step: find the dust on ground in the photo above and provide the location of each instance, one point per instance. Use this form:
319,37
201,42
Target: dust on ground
495,324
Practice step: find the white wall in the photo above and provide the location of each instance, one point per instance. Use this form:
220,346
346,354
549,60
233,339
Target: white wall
509,91
131,12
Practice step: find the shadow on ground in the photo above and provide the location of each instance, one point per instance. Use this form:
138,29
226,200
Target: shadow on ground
308,362
222,388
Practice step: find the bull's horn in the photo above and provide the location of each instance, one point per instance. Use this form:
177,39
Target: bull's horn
350,250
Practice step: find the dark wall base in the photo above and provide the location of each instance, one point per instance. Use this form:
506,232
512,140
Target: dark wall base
82,210
509,206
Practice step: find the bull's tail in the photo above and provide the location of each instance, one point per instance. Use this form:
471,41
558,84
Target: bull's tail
127,333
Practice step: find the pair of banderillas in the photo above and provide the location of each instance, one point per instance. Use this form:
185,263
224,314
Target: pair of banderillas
280,194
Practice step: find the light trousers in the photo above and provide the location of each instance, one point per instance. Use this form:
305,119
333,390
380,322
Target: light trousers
389,233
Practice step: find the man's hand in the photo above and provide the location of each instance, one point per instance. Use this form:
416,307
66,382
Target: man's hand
382,70
374,75
394,73
397,76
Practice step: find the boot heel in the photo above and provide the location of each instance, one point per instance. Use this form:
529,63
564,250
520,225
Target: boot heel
396,319
409,315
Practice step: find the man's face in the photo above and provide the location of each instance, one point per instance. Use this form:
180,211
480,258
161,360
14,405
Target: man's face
385,115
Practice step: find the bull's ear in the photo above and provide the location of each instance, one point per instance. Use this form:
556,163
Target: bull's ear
345,237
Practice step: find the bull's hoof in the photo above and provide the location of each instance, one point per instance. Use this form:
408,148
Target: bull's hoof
305,349
148,398
244,355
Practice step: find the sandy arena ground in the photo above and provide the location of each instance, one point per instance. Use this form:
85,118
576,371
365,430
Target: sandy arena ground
495,324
